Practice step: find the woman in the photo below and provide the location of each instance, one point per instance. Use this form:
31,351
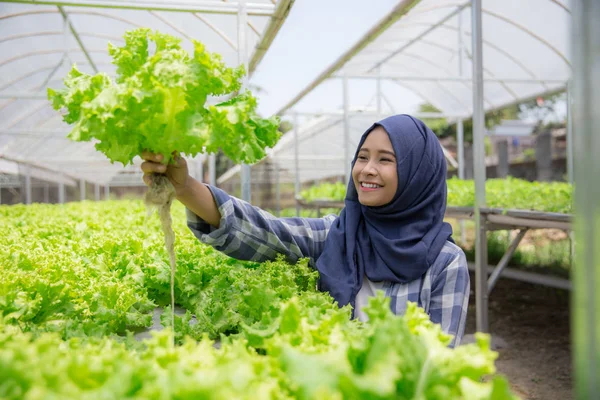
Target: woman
390,236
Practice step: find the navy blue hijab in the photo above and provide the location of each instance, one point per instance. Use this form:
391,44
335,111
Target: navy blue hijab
399,241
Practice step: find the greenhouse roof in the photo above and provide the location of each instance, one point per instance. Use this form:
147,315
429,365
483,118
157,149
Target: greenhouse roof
422,53
40,40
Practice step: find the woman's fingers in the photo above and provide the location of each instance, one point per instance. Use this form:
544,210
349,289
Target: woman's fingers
150,167
149,156
147,179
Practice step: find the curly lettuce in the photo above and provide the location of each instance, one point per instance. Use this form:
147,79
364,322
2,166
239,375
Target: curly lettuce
158,103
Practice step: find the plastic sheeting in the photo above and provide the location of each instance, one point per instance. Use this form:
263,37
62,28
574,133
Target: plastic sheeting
421,53
39,43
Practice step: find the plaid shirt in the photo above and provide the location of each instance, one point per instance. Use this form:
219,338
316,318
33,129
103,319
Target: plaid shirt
249,233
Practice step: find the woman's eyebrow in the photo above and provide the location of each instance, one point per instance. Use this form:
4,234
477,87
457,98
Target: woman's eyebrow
391,153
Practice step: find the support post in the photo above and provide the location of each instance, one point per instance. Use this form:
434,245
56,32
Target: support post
346,128
82,189
543,157
107,192
245,173
61,193
46,193
481,292
96,192
502,168
212,169
379,94
585,304
200,170
296,165
277,190
570,144
27,184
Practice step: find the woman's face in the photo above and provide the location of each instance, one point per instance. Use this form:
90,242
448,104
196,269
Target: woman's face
374,174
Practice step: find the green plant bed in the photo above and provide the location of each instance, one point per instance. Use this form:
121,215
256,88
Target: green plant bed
509,193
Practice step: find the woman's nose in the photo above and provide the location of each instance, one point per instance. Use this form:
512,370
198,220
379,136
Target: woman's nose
369,169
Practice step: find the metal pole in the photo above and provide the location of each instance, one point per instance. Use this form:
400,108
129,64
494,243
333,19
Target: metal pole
82,189
204,7
96,192
27,184
586,274
460,133
212,170
481,292
61,193
461,169
277,190
245,172
296,165
200,170
570,145
459,124
345,95
379,95
107,192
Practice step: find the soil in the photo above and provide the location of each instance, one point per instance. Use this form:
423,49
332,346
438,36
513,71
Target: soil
530,329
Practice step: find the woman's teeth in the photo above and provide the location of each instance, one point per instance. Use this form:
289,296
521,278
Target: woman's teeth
369,185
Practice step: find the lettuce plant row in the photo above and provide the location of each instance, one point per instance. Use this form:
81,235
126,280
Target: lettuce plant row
78,280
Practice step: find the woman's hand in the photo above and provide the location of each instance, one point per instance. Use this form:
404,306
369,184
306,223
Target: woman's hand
177,172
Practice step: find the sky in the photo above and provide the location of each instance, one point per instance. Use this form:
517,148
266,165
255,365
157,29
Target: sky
314,35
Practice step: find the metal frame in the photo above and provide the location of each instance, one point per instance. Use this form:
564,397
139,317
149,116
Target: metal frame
276,11
495,219
205,7
346,67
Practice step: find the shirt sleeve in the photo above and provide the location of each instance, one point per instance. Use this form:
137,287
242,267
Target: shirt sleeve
249,233
450,298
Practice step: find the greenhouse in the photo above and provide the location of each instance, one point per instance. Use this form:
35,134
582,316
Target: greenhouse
112,110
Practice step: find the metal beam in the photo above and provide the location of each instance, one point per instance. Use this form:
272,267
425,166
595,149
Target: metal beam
10,166
24,95
206,7
421,35
453,79
77,38
504,260
282,10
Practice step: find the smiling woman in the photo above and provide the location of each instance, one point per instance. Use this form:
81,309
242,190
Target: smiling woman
390,237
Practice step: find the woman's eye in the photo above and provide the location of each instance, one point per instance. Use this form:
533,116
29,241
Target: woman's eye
386,160
362,157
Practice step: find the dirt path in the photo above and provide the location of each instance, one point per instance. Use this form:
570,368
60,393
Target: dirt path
533,323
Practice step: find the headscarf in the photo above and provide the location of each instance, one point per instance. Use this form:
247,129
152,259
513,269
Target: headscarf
398,241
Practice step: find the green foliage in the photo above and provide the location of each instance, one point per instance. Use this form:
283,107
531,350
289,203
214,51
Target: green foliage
512,193
158,102
509,193
75,278
325,191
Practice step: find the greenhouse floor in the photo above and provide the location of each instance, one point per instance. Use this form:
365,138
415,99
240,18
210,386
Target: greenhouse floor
532,321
